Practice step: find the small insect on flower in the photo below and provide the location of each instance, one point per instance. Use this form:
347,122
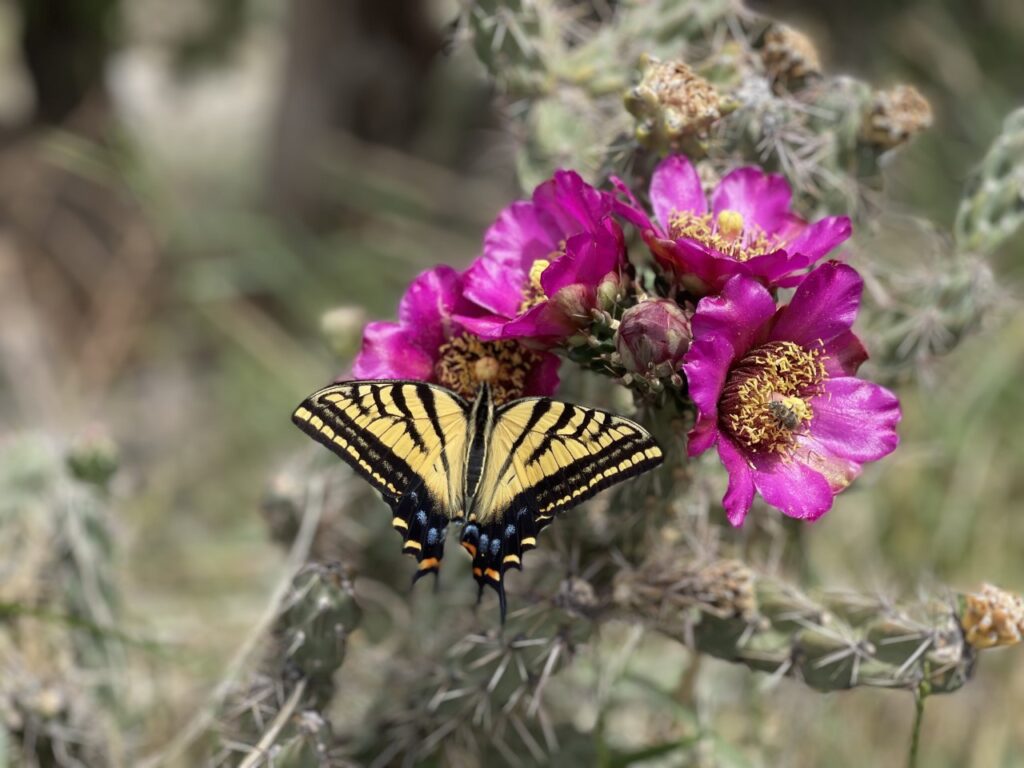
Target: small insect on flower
501,473
784,414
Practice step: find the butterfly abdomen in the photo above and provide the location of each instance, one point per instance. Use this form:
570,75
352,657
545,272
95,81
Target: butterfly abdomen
479,424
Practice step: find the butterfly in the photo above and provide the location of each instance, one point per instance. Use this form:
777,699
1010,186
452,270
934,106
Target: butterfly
500,473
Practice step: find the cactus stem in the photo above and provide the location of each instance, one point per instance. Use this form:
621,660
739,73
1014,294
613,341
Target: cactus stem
269,737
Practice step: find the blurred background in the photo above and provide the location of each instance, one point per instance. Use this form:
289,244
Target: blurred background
187,188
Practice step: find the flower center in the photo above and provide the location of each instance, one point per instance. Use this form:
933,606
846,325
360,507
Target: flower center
533,291
728,233
467,361
765,401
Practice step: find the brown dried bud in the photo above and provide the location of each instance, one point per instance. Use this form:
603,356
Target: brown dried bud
789,56
992,619
896,116
653,336
671,102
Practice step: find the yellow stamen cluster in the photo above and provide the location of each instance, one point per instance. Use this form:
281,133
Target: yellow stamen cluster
727,233
533,291
765,399
467,361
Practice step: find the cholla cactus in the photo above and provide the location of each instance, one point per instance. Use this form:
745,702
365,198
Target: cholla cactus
700,286
60,655
836,641
279,716
992,209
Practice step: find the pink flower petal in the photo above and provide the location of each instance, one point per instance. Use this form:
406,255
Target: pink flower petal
819,238
706,366
630,208
792,486
542,323
823,307
762,199
838,471
773,268
844,355
675,187
703,435
428,304
737,314
855,419
519,237
390,351
572,204
589,256
487,327
542,380
740,493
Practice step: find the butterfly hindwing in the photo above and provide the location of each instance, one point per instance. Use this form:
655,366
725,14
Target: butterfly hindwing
549,456
408,439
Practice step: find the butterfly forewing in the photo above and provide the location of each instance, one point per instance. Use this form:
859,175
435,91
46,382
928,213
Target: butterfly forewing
408,439
558,455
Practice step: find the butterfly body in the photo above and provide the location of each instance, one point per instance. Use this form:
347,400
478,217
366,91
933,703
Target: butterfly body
502,473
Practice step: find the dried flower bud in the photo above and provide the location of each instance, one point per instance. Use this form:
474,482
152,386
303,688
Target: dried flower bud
652,336
789,56
992,619
671,102
896,116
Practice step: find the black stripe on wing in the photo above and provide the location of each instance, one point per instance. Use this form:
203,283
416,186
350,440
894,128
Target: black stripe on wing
357,447
631,452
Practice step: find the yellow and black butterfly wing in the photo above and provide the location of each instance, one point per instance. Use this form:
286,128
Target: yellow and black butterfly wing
548,456
408,439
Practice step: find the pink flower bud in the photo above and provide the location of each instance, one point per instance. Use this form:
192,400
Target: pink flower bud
653,336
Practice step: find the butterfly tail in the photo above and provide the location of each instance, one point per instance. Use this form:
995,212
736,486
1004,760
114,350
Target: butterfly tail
423,531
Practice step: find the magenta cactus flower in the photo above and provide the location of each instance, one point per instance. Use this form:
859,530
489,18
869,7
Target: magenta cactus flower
749,229
775,390
542,260
428,343
559,295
